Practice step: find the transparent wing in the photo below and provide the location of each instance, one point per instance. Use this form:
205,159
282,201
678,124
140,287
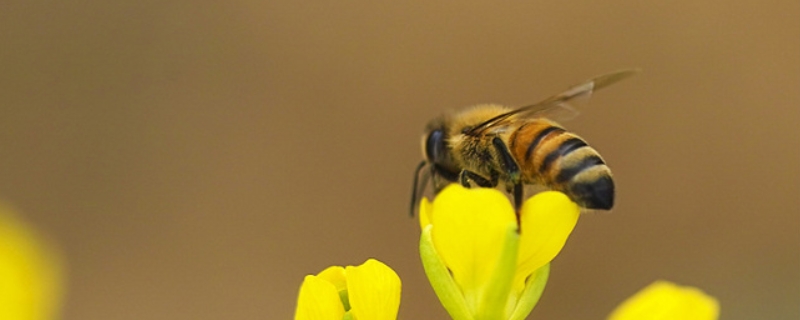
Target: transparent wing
558,105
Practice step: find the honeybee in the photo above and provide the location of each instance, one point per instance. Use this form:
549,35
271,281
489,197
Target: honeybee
487,145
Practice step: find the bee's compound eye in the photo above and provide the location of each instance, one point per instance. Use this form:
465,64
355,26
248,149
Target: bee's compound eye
434,146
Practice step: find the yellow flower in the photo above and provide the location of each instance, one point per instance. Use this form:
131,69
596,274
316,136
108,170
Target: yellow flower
481,263
370,291
664,300
30,272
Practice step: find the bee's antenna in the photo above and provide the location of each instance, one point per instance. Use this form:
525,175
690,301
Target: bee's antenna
416,190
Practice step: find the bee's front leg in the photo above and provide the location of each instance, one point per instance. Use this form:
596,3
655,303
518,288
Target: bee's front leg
466,176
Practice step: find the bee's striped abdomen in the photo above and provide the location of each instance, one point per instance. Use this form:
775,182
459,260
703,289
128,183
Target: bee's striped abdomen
551,156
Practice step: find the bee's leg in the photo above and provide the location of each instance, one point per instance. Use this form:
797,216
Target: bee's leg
511,169
465,176
510,166
518,197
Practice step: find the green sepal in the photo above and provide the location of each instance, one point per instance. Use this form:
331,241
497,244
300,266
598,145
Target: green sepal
534,287
494,302
348,316
439,276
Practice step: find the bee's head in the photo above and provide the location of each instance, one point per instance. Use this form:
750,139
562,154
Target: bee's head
436,149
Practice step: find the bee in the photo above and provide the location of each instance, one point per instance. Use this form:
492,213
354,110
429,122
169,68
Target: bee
489,145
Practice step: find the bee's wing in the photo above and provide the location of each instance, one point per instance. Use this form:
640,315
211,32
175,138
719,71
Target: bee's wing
559,103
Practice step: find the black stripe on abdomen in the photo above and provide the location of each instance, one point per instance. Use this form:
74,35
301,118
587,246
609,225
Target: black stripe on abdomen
567,174
565,148
538,140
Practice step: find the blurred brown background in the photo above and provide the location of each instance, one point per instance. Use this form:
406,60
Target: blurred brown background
196,160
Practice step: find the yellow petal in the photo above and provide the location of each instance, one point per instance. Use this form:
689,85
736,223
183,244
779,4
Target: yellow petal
374,291
664,300
30,272
318,300
469,232
425,209
336,276
548,218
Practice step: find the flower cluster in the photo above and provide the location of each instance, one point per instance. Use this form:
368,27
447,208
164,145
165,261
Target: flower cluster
664,300
30,272
368,291
484,261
